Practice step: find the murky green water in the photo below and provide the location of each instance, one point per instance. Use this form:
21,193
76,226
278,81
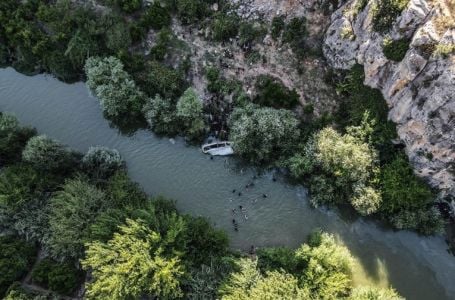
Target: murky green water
418,267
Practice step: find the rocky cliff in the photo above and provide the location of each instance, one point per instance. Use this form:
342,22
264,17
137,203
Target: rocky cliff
419,89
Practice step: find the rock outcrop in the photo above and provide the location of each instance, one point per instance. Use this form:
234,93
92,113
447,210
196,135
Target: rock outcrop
420,89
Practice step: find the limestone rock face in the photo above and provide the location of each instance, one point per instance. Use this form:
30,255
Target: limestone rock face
420,90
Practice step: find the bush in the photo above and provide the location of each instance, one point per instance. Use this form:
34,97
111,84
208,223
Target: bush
250,33
374,293
279,258
16,257
366,200
262,135
122,192
102,162
62,278
396,50
224,27
191,11
190,113
156,17
72,210
127,6
160,114
117,92
385,12
46,154
295,34
401,188
277,26
272,93
13,139
163,80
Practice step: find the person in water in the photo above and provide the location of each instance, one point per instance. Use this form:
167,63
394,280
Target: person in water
264,195
240,194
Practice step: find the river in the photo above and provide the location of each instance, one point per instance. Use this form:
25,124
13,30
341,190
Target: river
418,267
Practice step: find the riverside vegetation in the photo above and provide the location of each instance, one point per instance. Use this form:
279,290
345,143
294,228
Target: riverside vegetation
79,227
350,151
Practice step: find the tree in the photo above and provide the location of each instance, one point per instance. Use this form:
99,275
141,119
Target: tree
249,283
117,92
261,135
102,162
161,115
62,278
374,293
366,200
189,111
16,257
131,264
46,154
72,210
328,267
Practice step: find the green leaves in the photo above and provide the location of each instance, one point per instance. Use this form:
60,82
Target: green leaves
131,264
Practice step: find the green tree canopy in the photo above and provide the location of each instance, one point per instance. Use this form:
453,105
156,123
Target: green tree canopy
190,112
117,92
132,264
72,210
260,135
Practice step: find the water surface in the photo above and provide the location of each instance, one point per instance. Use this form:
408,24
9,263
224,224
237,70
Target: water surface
418,267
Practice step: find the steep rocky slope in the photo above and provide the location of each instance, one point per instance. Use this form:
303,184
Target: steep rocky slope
420,89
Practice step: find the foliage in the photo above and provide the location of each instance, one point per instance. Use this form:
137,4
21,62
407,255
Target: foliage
156,16
121,191
46,154
272,93
328,267
295,34
323,191
117,92
303,163
270,259
374,293
165,81
190,112
396,49
401,188
130,264
118,36
102,162
127,6
16,257
62,278
249,283
260,135
204,243
72,210
385,12
191,11
224,27
13,139
160,114
250,32
366,200
277,27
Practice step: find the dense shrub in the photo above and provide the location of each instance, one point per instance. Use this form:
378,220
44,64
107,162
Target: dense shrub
159,79
117,92
277,27
272,93
224,27
13,139
122,192
127,6
295,34
396,49
131,264
46,154
250,32
156,16
102,162
374,293
270,259
72,210
16,257
190,112
191,11
262,135
385,12
160,114
62,278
